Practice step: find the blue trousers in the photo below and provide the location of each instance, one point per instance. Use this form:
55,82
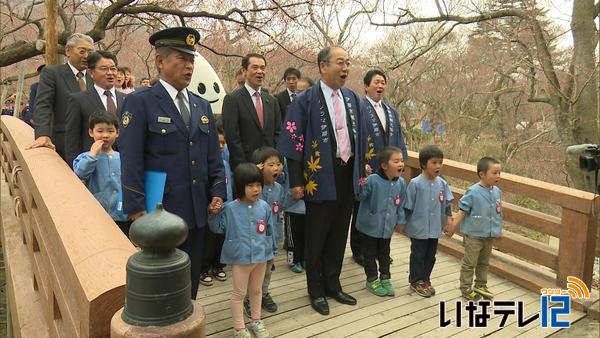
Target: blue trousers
422,259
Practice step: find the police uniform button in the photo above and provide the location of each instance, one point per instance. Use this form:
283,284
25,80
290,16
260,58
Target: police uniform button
163,131
191,143
193,181
193,162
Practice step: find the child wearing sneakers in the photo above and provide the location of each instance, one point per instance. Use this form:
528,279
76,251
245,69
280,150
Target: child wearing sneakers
268,160
428,210
380,212
249,243
481,209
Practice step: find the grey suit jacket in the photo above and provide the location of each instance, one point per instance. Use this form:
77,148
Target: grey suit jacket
81,106
243,132
56,83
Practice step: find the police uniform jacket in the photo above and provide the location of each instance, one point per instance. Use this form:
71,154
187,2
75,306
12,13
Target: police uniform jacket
153,137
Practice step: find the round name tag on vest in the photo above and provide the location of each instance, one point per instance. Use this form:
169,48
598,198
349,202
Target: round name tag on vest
261,226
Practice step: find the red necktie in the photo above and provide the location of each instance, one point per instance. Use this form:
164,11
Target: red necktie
259,109
110,103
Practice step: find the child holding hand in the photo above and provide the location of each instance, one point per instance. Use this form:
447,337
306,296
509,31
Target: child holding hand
247,223
380,212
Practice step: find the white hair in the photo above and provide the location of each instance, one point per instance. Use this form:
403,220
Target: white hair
72,40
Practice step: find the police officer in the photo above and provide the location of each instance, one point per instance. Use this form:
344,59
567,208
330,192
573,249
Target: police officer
167,128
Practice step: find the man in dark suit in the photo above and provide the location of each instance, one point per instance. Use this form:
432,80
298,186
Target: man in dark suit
32,94
102,66
251,117
320,142
291,77
56,83
167,128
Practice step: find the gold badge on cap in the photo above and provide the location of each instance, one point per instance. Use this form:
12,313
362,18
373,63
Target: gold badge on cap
126,119
190,40
204,119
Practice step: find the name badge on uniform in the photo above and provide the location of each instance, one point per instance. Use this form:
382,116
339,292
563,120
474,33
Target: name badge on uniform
164,119
397,200
261,226
498,207
441,197
276,206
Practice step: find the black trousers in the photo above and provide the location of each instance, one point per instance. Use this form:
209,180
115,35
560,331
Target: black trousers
326,232
194,247
373,250
295,240
213,244
355,235
422,259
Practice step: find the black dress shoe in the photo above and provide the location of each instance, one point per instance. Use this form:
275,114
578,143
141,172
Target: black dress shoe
343,297
320,305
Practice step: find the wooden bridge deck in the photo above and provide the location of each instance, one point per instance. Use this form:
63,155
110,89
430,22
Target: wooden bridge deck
405,315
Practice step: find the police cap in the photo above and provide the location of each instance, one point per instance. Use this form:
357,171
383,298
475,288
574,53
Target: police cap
182,39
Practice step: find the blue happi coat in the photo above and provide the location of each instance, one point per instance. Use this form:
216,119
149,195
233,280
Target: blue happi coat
307,136
374,138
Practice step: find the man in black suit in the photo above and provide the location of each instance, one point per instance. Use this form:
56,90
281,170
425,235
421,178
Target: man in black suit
251,117
102,66
56,83
291,77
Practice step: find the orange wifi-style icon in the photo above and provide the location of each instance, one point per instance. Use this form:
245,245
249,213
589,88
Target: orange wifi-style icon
577,288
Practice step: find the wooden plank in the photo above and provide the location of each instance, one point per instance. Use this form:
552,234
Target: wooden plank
25,304
380,312
86,259
577,247
430,327
408,319
295,298
527,249
511,269
574,199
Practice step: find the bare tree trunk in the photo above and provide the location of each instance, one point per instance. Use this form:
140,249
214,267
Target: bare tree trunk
51,32
584,98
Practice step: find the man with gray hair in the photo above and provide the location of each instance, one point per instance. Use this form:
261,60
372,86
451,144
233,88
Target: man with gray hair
57,82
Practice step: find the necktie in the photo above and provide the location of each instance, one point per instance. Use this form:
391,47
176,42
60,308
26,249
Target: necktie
341,130
259,109
110,103
292,97
183,109
81,82
380,114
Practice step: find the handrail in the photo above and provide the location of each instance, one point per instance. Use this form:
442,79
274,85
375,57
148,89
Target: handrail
77,253
576,228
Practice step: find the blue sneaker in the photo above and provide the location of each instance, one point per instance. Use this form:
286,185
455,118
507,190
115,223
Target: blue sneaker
297,268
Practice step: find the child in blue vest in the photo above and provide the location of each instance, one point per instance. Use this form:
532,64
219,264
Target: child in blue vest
100,168
380,212
268,160
481,209
247,223
428,209
213,243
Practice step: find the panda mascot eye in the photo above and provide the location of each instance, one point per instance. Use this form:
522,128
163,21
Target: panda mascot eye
216,88
201,88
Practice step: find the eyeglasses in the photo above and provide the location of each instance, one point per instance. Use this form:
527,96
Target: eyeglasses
341,63
106,69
